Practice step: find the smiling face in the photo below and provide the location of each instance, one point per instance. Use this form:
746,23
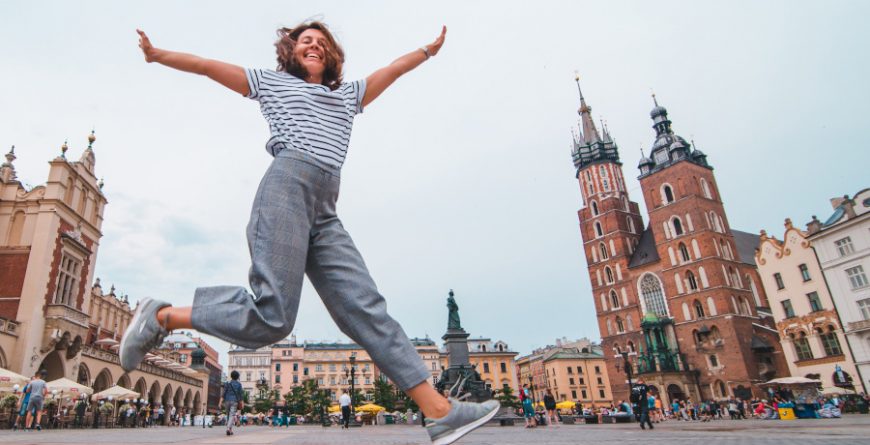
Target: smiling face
310,52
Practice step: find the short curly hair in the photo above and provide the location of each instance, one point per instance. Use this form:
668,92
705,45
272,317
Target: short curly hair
333,54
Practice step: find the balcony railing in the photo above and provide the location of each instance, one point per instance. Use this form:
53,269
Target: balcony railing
9,327
856,326
67,313
111,357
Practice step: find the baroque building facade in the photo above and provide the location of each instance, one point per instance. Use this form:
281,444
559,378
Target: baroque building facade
574,371
678,298
50,317
806,317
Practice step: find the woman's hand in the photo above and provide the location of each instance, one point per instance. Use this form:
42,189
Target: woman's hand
145,44
435,46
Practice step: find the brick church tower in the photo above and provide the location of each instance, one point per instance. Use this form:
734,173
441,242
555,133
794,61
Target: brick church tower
677,302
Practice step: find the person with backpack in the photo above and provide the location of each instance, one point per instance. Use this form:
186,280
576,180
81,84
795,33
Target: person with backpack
232,399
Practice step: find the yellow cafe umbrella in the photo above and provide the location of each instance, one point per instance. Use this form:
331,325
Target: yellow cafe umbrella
565,404
334,408
370,407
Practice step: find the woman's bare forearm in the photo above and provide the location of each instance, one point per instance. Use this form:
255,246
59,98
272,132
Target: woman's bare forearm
181,61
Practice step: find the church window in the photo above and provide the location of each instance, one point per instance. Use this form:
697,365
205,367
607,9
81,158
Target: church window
614,300
67,280
631,347
699,309
620,328
630,223
589,187
594,208
605,180
678,226
714,361
608,274
625,204
684,252
667,194
603,249
598,231
653,295
705,189
609,327
691,281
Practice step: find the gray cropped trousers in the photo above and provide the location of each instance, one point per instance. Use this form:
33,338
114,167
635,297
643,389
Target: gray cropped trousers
294,230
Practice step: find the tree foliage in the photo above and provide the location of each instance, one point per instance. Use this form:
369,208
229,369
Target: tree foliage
506,397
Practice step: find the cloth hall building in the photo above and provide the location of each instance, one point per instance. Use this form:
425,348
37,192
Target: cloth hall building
679,297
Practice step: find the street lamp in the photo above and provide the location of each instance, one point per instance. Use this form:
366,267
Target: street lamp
352,374
626,367
532,392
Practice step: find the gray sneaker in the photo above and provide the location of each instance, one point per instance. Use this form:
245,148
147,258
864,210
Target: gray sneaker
143,334
463,418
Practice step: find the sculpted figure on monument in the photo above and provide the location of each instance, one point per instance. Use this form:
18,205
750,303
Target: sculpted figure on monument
453,316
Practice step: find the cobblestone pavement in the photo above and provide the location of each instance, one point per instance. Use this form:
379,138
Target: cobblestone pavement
853,429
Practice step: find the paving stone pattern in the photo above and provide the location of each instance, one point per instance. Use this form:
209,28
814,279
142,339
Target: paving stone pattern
853,429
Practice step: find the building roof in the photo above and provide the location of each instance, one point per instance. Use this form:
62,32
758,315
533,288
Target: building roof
746,245
572,353
645,252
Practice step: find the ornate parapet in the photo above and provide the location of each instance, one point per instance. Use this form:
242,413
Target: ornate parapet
65,329
857,326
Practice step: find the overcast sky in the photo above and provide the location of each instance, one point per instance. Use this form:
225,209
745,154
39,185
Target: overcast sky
460,175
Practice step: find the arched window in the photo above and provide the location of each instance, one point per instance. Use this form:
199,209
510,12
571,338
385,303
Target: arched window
589,186
691,281
630,223
608,274
801,346
705,189
697,337
667,194
614,299
594,206
631,347
609,327
603,249
625,203
617,349
830,341
684,252
744,307
619,326
714,361
598,231
605,180
716,222
678,226
699,309
653,294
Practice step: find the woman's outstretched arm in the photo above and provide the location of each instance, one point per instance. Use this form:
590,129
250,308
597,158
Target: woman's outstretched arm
378,81
226,74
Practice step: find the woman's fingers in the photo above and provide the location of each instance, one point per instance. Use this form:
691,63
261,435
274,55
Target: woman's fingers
435,46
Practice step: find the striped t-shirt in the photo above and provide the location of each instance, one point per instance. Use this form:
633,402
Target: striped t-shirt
305,116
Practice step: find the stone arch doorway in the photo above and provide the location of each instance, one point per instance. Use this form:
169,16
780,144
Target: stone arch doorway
154,393
84,377
675,392
197,404
166,398
53,364
141,388
187,401
124,382
654,390
103,381
178,400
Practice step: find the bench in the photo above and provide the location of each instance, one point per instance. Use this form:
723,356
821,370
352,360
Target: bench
590,419
506,421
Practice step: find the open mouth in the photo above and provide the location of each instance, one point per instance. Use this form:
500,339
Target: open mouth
313,56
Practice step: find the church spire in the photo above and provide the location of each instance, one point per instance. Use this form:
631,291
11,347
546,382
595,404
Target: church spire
590,133
7,170
589,145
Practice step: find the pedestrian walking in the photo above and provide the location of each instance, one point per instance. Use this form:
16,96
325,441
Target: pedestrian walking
294,229
38,391
344,402
640,392
528,408
232,400
550,406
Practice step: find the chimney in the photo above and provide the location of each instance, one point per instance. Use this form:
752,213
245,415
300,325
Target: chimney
814,226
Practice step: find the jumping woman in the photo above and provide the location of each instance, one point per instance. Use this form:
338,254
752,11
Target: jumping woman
294,229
